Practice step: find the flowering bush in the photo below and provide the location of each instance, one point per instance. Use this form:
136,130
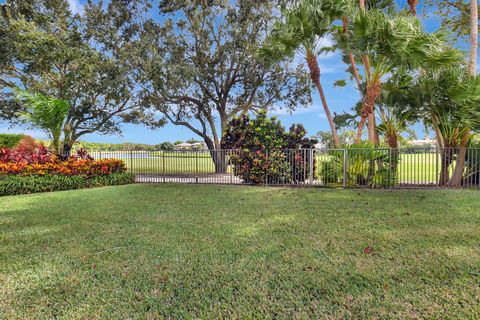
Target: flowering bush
40,161
265,152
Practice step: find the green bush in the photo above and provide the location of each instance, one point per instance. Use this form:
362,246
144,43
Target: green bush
366,165
265,152
15,184
329,172
10,140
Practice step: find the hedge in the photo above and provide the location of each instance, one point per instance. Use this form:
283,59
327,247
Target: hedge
16,184
10,140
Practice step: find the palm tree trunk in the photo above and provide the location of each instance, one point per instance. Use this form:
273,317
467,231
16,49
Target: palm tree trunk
356,75
473,37
353,65
372,132
446,159
362,4
456,179
361,125
368,112
315,76
413,6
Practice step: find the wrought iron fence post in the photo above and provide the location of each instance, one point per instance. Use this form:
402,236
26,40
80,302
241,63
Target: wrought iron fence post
163,165
196,166
390,161
266,173
231,169
437,174
311,165
131,161
345,154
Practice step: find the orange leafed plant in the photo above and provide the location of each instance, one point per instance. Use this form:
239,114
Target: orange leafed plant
37,161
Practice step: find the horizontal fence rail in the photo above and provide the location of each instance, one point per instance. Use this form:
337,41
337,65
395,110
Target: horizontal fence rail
347,168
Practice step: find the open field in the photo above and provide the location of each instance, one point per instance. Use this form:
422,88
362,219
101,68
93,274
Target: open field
188,251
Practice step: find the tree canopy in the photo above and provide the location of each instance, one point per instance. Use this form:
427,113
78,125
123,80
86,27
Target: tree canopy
198,67
54,53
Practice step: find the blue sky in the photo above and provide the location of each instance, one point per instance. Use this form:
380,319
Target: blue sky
339,99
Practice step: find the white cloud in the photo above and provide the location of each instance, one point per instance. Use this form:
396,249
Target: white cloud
75,6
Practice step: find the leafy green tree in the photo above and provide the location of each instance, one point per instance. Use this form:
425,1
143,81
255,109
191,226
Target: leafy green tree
56,54
395,118
300,30
198,67
164,146
454,15
346,138
45,113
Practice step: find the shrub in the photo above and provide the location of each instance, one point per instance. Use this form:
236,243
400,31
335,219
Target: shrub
164,146
263,152
25,155
70,167
17,184
9,140
27,145
366,165
41,162
329,172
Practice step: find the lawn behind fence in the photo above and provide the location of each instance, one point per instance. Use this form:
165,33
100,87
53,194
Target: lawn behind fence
183,251
413,167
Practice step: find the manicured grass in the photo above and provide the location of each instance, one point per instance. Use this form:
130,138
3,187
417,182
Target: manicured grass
412,168
188,251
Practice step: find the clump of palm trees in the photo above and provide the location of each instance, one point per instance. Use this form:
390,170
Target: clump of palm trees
404,74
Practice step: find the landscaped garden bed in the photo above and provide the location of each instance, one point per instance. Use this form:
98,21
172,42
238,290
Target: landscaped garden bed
31,167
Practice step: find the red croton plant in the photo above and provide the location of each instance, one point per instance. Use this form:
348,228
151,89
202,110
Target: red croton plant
31,158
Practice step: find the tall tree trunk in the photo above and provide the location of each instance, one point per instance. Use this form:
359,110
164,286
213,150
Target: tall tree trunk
473,37
351,58
315,76
218,155
361,3
356,75
372,132
67,149
456,179
413,6
446,159
368,112
361,125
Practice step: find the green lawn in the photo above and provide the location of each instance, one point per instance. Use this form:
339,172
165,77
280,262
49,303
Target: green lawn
188,251
413,168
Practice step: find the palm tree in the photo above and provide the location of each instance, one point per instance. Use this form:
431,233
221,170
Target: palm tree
473,36
44,113
449,100
301,28
387,43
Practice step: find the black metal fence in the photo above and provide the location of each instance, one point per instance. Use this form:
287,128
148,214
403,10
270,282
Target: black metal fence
348,168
